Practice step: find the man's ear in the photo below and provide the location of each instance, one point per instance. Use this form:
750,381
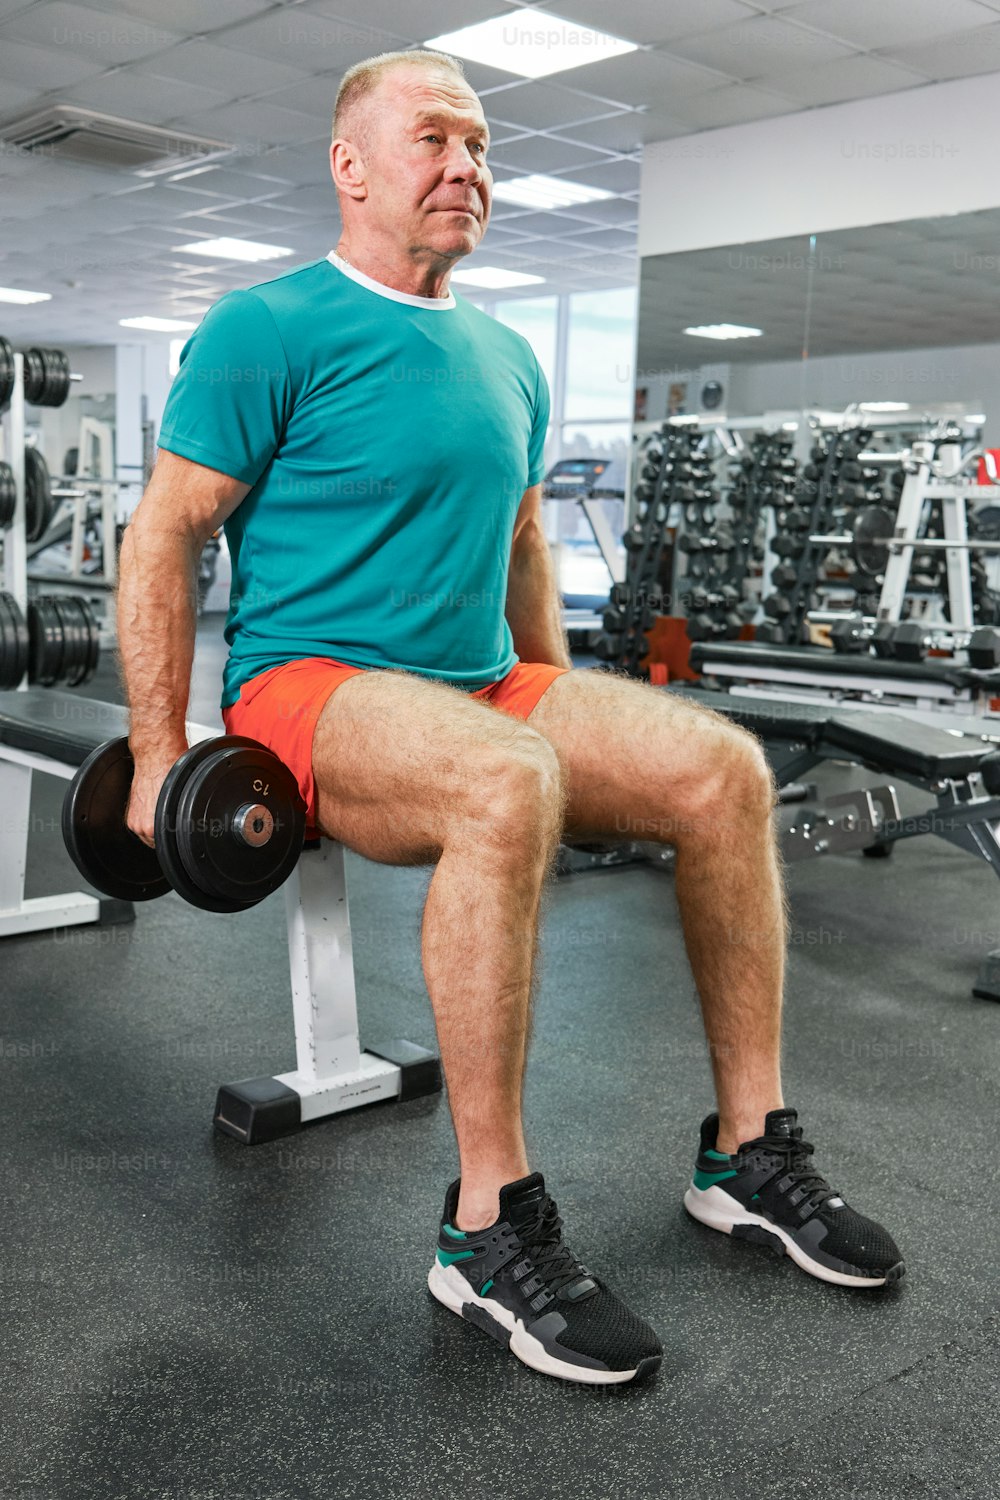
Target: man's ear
348,169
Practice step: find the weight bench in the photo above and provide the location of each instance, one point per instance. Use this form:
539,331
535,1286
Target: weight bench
962,773
814,671
54,732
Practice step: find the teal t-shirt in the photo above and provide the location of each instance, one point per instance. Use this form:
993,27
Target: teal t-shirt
388,441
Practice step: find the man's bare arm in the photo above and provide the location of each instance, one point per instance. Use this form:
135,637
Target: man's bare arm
534,608
183,505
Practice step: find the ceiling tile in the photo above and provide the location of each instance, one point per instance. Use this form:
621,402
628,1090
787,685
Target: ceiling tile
761,45
540,105
630,131
306,40
42,69
416,20
189,16
654,79
730,106
849,78
542,153
889,24
76,29
213,66
617,176
959,56
652,21
142,97
252,122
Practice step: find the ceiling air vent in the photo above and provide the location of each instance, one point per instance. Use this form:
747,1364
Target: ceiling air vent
65,132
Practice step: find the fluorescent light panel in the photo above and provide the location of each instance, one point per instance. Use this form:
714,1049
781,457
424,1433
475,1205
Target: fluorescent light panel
885,405
224,249
539,191
156,325
723,331
531,43
495,278
14,294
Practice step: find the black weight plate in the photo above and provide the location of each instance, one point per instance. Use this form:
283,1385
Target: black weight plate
81,618
91,642
215,857
47,643
38,495
174,806
871,528
6,373
8,495
59,382
105,851
34,376
167,826
75,644
18,638
8,645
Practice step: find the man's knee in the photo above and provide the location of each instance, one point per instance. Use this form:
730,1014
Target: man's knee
743,782
516,789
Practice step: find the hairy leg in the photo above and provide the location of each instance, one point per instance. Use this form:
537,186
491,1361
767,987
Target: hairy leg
639,763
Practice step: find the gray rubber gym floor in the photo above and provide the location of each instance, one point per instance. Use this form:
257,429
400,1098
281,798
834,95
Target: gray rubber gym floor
187,1319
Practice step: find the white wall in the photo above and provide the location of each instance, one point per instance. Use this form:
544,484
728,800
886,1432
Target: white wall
970,373
926,151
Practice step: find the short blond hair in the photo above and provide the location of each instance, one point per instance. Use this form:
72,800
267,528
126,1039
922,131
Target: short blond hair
361,81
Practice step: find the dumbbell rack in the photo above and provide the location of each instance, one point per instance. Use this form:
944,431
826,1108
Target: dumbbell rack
15,542
54,638
764,476
801,526
676,472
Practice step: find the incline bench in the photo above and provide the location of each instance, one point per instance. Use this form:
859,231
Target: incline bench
54,732
962,774
934,684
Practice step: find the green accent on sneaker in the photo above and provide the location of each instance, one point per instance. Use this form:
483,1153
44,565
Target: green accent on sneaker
456,1234
484,1289
448,1257
717,1155
703,1180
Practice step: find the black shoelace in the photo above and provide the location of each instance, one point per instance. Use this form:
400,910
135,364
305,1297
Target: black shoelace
795,1154
541,1236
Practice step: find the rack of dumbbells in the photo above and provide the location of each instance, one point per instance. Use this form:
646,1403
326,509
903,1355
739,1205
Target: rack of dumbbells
830,488
674,471
764,476
52,638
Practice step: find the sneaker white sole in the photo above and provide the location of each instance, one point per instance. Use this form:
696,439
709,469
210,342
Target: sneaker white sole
714,1207
451,1289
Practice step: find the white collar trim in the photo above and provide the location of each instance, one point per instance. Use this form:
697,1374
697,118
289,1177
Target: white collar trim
435,304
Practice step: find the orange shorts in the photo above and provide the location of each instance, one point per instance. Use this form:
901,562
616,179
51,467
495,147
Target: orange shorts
281,708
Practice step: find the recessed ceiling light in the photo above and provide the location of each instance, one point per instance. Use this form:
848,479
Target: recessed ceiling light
531,43
224,249
539,191
156,325
975,416
885,405
12,294
495,277
724,331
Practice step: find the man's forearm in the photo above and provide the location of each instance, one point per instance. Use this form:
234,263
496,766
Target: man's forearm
156,628
534,609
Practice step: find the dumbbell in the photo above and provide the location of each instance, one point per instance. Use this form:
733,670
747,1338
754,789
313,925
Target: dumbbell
228,830
778,606
855,633
912,641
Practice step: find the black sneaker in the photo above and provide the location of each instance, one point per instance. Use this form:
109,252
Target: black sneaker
520,1282
770,1193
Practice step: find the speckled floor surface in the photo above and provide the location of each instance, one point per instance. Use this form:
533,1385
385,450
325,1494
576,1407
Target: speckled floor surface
186,1319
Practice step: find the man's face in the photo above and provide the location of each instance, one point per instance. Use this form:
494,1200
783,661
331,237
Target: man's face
426,173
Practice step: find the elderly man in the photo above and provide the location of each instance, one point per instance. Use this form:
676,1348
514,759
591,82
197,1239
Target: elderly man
373,446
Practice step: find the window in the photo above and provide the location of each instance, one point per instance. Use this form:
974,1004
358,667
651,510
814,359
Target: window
535,319
599,355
